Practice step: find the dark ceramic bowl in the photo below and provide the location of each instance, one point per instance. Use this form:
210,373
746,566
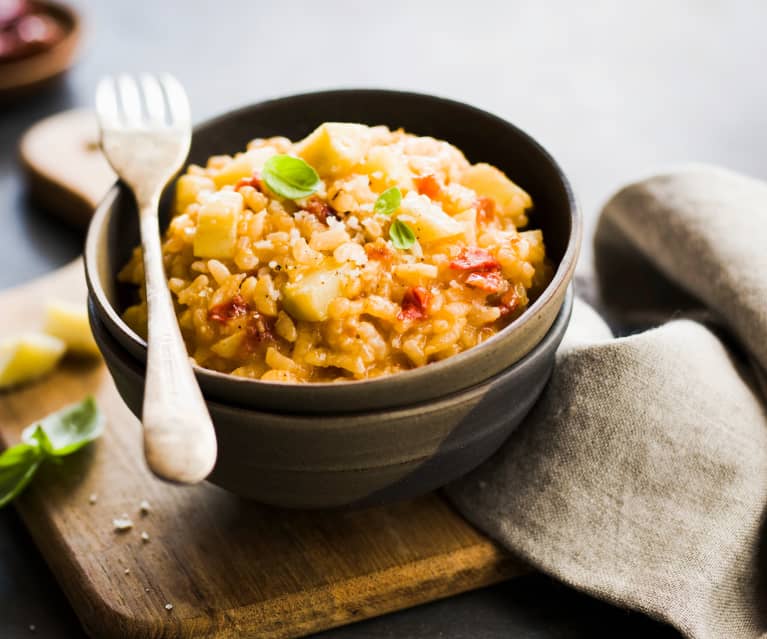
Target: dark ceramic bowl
372,441
358,459
481,136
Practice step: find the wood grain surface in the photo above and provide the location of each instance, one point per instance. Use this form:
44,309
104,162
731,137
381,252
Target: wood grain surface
66,172
228,567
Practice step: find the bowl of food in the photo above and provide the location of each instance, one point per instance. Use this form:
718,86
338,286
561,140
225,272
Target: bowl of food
361,260
38,42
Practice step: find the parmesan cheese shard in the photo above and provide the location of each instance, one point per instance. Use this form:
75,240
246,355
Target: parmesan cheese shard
69,322
28,357
122,524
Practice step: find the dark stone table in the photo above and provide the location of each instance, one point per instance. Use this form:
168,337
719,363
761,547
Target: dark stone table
614,91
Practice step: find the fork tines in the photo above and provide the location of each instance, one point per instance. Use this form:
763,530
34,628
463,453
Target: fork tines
147,100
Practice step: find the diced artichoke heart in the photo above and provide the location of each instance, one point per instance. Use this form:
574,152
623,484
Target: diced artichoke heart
188,190
335,148
488,181
428,221
308,298
243,165
388,167
216,235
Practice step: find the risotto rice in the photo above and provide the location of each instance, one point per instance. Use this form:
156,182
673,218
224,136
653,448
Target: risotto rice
402,254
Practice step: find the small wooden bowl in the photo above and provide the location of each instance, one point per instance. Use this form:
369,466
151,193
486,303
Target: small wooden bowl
20,77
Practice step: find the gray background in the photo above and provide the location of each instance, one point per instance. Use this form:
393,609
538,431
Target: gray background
614,90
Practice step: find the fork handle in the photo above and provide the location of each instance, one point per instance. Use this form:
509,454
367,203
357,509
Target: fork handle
179,439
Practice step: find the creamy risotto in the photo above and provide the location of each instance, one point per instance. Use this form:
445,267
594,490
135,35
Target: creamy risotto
355,252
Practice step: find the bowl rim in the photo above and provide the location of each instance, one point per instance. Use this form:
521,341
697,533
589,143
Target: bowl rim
561,279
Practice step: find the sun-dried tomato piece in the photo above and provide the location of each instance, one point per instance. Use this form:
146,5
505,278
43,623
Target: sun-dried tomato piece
509,301
319,209
226,311
258,330
414,304
254,181
380,252
486,209
488,281
428,185
474,259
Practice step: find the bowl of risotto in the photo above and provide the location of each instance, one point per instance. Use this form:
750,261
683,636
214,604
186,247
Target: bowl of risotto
345,256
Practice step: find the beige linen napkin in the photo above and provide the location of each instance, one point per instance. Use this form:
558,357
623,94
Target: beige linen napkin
641,475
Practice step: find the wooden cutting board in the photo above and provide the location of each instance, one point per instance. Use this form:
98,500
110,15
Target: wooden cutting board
228,567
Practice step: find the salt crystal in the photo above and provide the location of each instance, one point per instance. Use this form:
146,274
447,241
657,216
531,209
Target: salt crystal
127,571
144,507
145,536
93,498
168,606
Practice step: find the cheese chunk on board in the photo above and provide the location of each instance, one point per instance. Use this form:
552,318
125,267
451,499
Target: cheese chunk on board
28,357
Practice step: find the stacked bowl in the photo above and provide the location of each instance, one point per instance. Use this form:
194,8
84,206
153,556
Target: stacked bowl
382,439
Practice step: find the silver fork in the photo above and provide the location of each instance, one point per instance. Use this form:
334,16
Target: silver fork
145,134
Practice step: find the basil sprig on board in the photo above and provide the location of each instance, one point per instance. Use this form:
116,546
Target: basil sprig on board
57,435
401,235
388,201
290,177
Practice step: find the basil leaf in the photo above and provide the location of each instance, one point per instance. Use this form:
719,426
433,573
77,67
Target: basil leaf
56,435
41,440
290,177
388,201
68,429
18,465
401,235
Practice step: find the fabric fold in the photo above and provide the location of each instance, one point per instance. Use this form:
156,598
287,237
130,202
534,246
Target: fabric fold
641,475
